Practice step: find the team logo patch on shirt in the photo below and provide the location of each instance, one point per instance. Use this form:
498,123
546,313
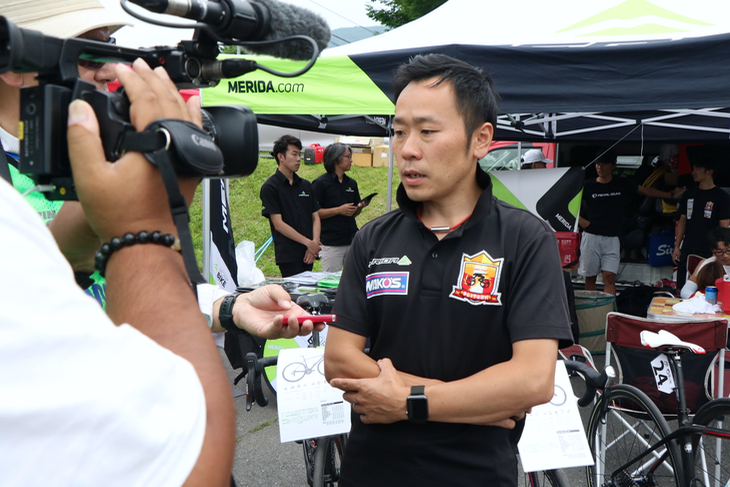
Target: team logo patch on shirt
386,283
479,280
391,260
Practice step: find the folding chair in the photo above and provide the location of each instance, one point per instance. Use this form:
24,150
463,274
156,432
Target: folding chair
633,362
693,260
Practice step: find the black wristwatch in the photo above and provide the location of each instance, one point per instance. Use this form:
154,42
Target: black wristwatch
417,405
225,314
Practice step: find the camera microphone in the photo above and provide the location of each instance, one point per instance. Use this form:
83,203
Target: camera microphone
261,20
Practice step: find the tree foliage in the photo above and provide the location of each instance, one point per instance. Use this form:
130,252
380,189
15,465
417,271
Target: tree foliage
398,12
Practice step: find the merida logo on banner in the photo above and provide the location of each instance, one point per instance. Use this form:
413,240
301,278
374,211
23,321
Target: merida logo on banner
260,86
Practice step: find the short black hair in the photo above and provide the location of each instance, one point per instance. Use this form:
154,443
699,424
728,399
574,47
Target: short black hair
605,156
720,234
282,144
332,155
476,97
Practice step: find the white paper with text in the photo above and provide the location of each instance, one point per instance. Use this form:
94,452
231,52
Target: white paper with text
308,406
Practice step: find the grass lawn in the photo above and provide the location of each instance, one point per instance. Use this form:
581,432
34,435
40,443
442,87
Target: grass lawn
245,206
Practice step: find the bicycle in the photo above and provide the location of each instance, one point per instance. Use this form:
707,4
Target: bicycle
634,445
593,381
294,372
322,456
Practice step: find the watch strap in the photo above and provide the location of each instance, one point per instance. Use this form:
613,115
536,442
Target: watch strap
225,314
418,390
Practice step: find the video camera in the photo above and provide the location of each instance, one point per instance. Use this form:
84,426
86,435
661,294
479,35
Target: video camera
190,64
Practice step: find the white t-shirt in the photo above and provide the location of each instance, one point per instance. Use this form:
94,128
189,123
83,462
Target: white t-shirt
82,402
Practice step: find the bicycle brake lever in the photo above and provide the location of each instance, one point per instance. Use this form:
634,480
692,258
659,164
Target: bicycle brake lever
250,378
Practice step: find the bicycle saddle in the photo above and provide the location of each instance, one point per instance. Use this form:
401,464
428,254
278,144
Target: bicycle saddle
664,339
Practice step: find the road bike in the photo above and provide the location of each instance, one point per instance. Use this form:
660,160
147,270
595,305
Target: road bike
322,456
634,445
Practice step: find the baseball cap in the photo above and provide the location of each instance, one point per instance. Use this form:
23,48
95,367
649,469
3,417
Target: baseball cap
60,18
534,155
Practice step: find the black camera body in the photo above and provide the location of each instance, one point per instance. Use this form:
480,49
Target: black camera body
44,108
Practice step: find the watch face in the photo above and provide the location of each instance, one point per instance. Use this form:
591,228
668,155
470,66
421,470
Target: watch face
417,408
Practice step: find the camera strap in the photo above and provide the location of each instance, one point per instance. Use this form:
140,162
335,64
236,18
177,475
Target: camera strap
5,168
182,148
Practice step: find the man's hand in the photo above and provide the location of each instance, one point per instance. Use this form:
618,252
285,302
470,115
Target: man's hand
348,209
675,255
677,192
378,400
314,247
125,196
262,311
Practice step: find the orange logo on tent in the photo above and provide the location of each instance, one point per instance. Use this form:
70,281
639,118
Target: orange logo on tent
478,280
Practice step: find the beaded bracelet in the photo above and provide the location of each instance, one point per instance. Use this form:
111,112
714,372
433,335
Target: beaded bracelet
102,256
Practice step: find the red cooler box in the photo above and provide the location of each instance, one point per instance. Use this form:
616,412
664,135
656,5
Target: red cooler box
568,245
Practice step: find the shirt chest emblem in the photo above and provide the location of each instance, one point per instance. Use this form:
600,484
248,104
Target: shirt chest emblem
478,280
386,283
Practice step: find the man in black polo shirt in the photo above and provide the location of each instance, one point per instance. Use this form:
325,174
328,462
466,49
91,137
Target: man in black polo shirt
291,208
456,292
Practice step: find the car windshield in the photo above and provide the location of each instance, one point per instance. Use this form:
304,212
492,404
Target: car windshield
503,159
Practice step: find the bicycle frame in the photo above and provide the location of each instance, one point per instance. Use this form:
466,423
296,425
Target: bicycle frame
683,435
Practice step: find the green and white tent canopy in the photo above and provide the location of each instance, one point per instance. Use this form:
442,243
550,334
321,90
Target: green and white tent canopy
566,70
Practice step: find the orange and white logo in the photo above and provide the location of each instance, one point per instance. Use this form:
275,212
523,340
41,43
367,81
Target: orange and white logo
478,280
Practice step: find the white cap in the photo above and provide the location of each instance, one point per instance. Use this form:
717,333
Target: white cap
60,18
534,155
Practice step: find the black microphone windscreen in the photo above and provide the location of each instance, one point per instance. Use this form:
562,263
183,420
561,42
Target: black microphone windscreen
288,20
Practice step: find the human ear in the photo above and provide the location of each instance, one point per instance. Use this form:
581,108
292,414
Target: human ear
482,139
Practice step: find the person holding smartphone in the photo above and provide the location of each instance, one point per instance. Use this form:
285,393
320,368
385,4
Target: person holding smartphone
339,201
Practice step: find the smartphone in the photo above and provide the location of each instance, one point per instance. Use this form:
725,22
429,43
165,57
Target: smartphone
317,318
368,198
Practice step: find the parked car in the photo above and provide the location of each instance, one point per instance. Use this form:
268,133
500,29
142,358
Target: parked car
507,155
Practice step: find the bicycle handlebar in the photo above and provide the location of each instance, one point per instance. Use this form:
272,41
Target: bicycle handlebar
593,379
255,367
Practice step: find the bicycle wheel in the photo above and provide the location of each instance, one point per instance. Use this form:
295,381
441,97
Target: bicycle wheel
712,455
620,431
294,372
327,460
547,478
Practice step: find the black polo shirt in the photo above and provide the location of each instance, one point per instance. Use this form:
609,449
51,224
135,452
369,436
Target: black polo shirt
331,193
446,310
295,203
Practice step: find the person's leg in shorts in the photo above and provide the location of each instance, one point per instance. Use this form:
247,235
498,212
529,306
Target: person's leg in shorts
590,260
610,259
333,257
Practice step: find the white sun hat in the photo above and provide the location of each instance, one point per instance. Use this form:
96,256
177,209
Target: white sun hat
60,18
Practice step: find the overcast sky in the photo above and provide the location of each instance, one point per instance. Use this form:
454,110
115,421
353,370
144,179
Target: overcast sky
337,13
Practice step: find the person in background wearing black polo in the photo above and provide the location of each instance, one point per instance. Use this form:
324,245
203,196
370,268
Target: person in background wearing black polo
456,292
339,201
291,208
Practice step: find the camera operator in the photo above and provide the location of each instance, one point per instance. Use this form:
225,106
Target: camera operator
259,312
85,402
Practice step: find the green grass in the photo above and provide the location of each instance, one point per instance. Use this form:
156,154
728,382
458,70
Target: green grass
245,206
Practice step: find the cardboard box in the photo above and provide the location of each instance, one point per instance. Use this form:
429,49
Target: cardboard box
362,156
380,155
354,141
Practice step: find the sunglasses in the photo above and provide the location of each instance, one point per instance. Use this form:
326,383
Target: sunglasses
95,65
